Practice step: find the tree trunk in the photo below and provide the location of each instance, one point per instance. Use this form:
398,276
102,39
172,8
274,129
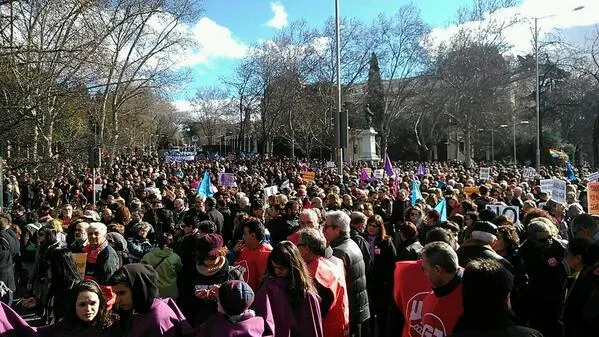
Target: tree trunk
596,142
468,146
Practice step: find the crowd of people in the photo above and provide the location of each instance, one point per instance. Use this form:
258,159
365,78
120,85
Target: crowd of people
323,254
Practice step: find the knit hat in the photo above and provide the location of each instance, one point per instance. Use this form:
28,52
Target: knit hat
209,245
235,297
408,230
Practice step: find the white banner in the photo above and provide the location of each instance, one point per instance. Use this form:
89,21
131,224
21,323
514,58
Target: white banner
510,212
529,173
331,164
593,177
485,173
546,185
558,191
379,173
272,190
178,158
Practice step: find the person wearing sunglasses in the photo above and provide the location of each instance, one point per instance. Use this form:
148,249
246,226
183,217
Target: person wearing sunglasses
544,260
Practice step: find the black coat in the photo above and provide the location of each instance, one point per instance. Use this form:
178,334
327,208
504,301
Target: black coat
9,248
508,331
474,249
215,216
409,250
581,310
348,251
380,279
106,264
281,228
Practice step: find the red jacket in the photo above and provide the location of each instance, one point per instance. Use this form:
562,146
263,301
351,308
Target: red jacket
441,313
410,286
253,263
331,275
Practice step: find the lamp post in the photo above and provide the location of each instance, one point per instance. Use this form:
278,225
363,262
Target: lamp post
514,134
538,106
338,123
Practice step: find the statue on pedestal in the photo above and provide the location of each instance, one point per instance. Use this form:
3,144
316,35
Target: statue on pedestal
368,118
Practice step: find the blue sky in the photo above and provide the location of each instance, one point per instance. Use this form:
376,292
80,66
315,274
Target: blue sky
228,27
246,20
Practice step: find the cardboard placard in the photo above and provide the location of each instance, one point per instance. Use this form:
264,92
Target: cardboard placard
331,164
379,173
80,262
309,176
558,191
529,173
471,189
593,197
510,212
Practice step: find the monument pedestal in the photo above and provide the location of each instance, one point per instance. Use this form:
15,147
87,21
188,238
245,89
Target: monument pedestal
367,145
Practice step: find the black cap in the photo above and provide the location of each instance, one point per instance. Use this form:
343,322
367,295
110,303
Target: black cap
484,226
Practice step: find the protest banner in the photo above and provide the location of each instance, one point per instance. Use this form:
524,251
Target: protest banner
529,173
485,173
80,261
179,157
510,212
558,191
593,177
471,189
309,176
593,197
226,180
272,190
546,185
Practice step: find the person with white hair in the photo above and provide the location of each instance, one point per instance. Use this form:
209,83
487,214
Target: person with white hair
337,232
307,219
102,260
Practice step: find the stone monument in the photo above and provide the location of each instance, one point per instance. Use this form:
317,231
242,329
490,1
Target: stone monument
367,139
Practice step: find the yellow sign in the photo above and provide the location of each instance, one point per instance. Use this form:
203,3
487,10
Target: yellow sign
80,261
309,176
471,189
593,197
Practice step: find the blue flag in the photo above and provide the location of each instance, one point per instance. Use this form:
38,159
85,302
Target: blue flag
205,186
416,195
441,208
570,171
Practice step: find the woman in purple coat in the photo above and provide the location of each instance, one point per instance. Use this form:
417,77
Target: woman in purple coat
287,299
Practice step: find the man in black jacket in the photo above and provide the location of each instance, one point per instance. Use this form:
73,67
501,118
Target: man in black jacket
286,224
337,232
486,285
480,245
214,215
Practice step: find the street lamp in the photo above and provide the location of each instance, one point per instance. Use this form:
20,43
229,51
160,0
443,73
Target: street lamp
538,106
492,142
514,134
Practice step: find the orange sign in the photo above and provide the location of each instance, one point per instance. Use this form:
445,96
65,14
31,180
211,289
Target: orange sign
593,197
471,189
308,176
80,262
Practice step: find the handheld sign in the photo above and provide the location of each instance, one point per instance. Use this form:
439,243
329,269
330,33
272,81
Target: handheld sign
510,212
558,191
227,180
471,189
546,185
80,261
593,197
379,174
529,173
593,177
485,173
331,164
309,176
272,190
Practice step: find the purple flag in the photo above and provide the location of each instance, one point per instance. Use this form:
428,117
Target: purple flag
422,170
363,175
389,167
